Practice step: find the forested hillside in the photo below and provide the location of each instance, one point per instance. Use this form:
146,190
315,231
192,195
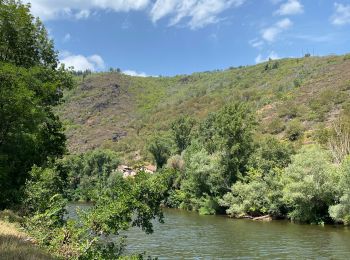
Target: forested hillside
294,99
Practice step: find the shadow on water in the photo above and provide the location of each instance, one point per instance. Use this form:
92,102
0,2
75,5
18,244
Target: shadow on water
187,235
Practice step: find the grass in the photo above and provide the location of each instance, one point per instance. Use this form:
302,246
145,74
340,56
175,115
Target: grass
311,90
16,245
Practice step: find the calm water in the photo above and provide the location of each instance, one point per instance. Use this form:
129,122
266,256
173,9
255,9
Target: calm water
187,235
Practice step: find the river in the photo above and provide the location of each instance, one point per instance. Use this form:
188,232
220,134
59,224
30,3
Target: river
187,235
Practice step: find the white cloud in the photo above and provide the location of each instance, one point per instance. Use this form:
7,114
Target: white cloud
80,9
341,15
134,73
256,43
290,7
80,62
194,13
197,13
83,14
269,34
273,56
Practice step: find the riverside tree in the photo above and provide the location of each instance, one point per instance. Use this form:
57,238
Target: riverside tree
31,83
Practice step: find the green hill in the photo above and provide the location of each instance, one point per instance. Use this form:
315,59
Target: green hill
120,112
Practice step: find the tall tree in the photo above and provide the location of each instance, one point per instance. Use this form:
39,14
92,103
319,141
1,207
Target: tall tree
230,132
30,85
182,128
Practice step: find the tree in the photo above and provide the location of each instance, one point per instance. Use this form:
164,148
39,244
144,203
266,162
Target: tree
270,153
96,233
30,85
23,40
230,130
340,212
182,128
160,150
257,194
310,185
88,175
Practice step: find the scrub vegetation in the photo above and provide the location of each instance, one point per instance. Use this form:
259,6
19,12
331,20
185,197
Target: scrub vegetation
266,140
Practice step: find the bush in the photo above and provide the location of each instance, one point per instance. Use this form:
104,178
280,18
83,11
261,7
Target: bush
88,175
276,126
176,162
44,184
310,185
208,205
271,153
295,130
341,211
256,195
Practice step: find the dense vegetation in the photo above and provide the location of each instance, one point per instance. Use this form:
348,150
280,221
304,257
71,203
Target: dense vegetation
271,139
35,179
31,84
226,168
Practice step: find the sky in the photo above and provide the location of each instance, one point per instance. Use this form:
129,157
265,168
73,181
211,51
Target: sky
172,37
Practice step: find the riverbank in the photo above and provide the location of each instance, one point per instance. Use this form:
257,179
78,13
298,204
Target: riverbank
16,245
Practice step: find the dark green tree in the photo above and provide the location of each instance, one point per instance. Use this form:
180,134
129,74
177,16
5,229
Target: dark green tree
30,85
23,39
181,129
160,150
230,132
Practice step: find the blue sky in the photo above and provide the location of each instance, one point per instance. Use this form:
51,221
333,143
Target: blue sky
169,37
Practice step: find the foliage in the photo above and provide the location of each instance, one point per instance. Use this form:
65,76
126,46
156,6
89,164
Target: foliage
24,40
87,175
176,162
294,130
160,150
257,194
310,185
229,131
96,233
203,177
270,153
182,128
43,185
341,211
30,85
260,192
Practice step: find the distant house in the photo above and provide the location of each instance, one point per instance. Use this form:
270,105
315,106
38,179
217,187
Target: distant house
127,171
149,168
130,172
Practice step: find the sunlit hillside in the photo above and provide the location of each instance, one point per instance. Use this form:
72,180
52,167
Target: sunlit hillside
290,96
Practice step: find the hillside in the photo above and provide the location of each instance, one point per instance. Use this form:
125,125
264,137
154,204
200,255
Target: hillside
116,111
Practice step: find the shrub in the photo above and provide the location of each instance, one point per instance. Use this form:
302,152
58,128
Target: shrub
294,130
44,184
339,140
341,211
208,205
310,185
176,162
271,153
255,195
276,126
